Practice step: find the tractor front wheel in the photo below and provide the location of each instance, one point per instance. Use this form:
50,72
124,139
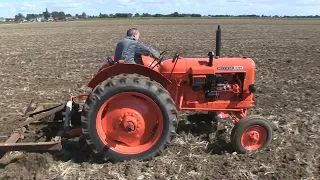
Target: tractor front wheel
250,134
129,117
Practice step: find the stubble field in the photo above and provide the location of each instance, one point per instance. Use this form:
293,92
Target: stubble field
48,62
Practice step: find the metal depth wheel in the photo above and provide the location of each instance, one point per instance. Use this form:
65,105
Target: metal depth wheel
250,134
129,117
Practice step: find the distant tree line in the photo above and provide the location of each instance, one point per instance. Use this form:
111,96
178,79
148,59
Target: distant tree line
128,15
176,14
47,15
264,16
62,16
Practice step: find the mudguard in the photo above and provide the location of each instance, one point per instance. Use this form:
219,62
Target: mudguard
128,69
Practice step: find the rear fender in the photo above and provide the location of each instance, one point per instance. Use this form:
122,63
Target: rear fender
128,69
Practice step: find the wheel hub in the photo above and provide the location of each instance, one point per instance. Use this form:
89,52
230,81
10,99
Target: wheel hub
129,122
254,136
130,127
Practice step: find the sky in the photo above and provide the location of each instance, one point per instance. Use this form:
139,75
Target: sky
9,8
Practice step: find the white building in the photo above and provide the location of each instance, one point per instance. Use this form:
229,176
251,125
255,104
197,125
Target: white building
50,18
38,19
2,19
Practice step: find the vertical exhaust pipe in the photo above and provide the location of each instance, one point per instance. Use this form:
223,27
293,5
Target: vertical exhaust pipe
218,47
218,41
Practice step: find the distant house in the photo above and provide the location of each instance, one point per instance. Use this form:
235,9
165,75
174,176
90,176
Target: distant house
51,18
69,19
39,19
2,19
22,20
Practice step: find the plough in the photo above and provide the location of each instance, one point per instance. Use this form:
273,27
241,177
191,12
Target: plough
63,114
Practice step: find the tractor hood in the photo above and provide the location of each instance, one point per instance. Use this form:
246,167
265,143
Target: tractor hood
200,65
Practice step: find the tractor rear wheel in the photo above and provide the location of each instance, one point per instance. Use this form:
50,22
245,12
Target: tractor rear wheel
129,117
250,134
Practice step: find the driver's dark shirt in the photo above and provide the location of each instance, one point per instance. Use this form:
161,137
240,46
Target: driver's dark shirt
128,48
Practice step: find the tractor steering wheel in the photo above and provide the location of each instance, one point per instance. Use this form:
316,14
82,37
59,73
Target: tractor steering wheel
159,60
161,56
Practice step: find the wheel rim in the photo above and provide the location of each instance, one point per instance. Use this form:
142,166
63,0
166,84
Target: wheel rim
126,123
254,137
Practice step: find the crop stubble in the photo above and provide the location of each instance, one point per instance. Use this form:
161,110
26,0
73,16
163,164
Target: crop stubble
49,61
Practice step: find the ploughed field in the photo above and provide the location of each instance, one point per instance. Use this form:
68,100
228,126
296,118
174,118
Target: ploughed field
48,62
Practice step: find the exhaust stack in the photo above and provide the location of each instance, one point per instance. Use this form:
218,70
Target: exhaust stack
218,47
218,41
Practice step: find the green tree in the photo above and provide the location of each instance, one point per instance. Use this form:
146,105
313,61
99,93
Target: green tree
157,15
58,15
103,15
29,16
195,15
61,16
18,17
84,15
175,14
55,14
146,15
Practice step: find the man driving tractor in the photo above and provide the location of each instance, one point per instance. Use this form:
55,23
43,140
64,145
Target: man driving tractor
130,49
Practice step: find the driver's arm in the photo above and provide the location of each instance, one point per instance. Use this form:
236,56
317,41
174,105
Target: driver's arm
146,51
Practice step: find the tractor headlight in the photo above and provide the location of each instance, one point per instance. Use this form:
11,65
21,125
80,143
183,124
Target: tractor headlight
252,88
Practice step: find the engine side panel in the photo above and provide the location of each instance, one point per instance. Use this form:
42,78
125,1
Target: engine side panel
224,86
226,93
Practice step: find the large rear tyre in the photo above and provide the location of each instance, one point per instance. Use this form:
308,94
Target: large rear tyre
129,117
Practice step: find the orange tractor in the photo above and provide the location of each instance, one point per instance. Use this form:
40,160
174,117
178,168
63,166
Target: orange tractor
132,110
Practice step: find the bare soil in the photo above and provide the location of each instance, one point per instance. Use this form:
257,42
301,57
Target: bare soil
48,62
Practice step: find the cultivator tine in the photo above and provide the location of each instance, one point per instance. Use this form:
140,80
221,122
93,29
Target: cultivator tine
47,110
29,108
38,109
33,114
41,114
34,108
